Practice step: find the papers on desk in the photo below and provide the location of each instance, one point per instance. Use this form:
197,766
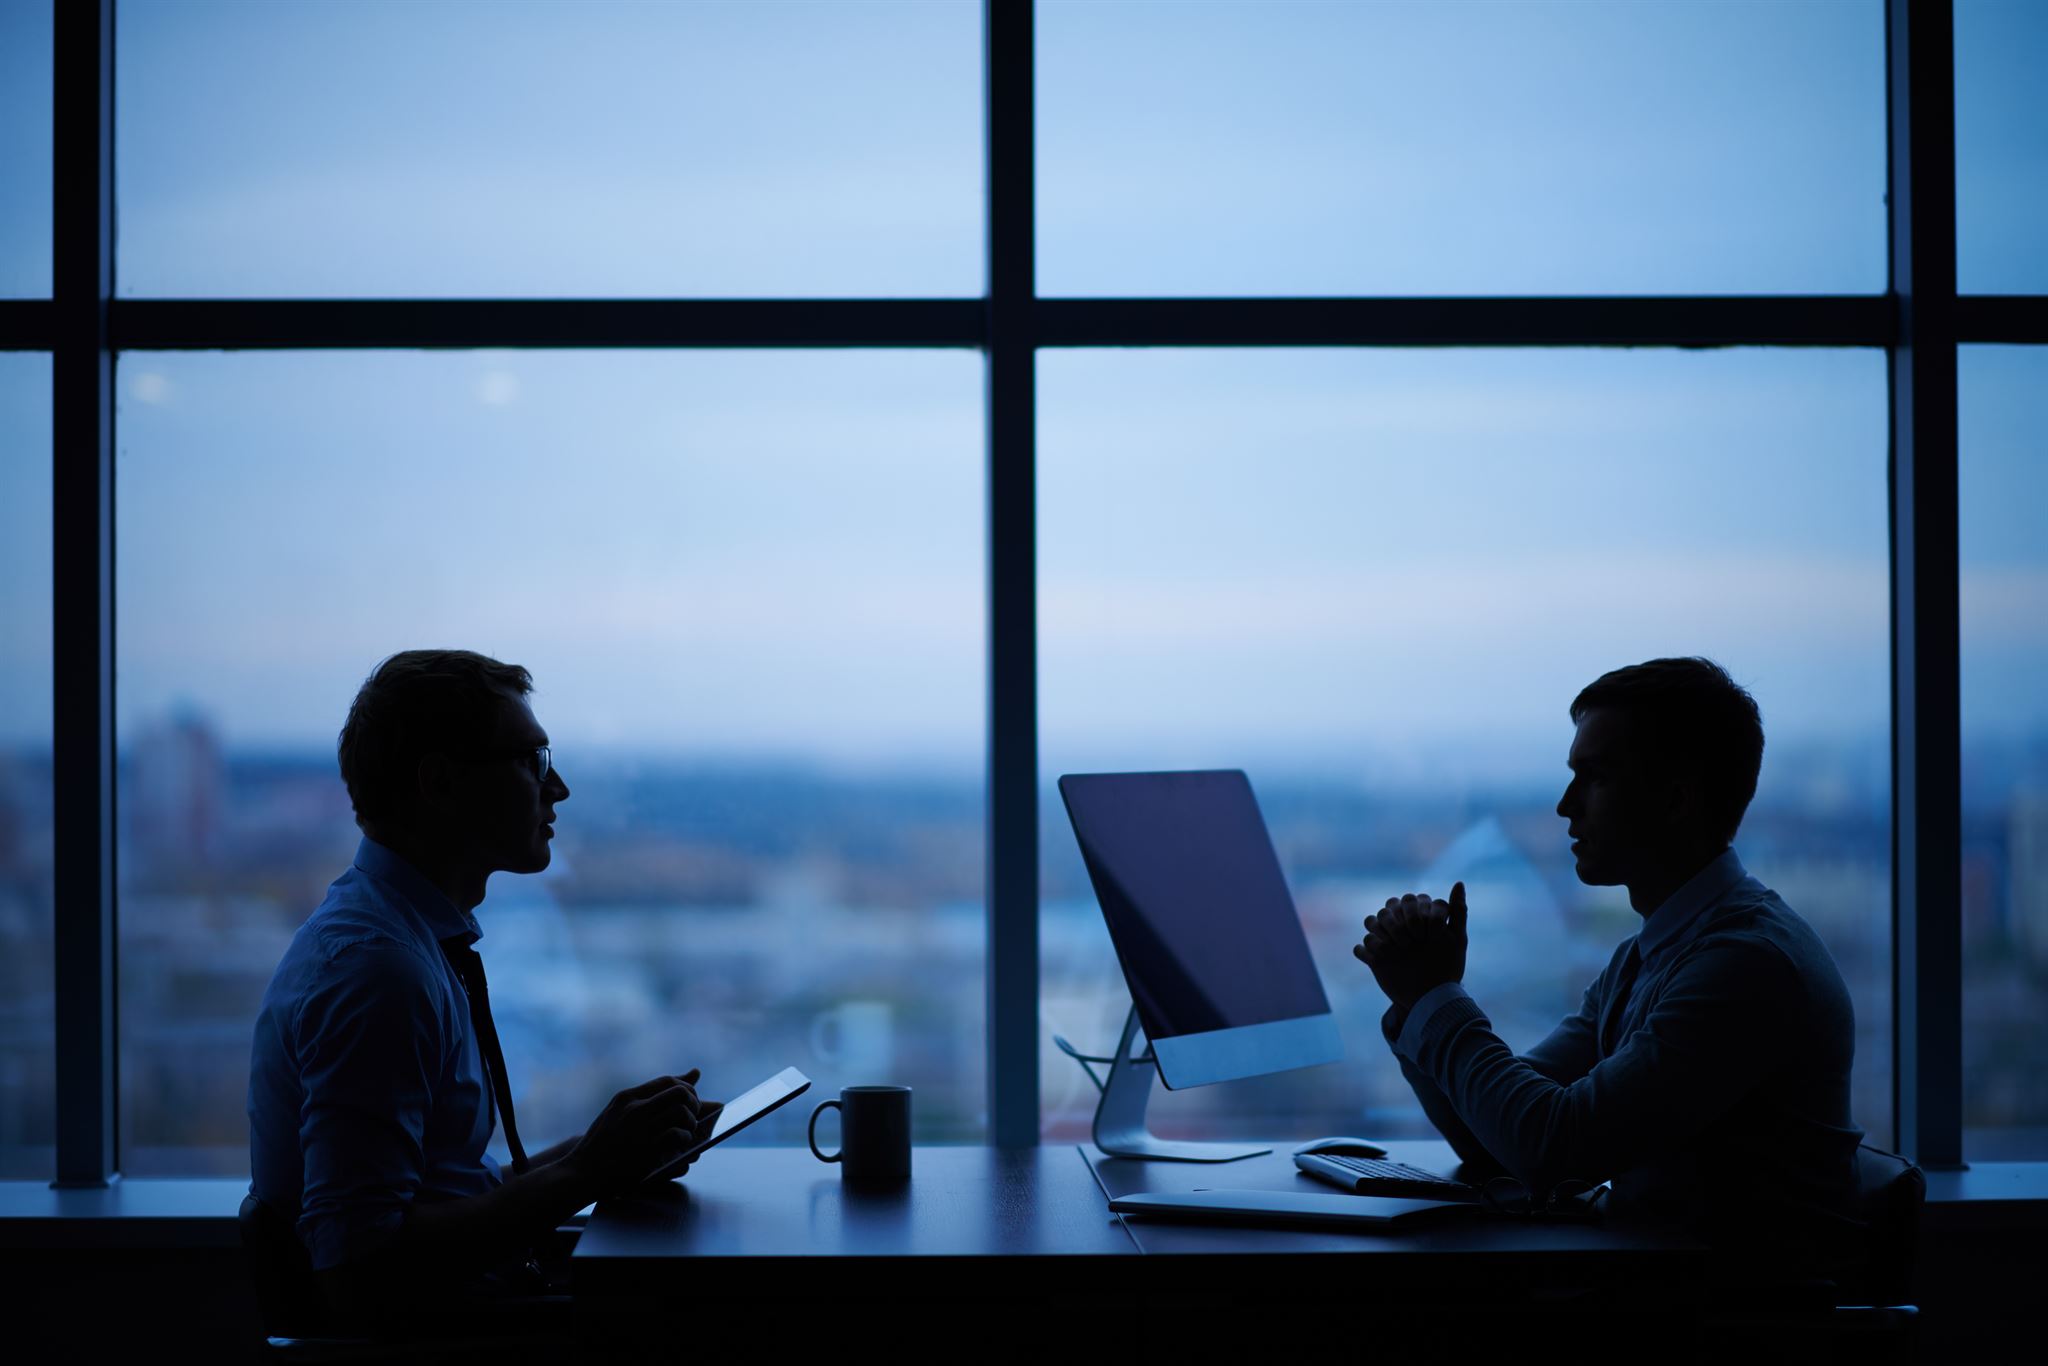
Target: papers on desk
1361,1212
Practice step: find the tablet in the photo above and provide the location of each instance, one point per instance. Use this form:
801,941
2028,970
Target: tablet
742,1110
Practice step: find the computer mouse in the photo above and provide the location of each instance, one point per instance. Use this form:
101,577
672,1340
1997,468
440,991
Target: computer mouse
1337,1145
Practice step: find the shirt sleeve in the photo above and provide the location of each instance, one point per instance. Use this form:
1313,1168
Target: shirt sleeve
1434,1103
1572,1049
369,1045
1703,1045
1568,1053
1418,1015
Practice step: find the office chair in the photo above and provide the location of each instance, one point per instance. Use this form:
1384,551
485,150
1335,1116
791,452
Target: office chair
295,1321
294,1316
1873,1308
1862,1314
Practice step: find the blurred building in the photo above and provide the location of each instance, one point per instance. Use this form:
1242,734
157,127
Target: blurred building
174,794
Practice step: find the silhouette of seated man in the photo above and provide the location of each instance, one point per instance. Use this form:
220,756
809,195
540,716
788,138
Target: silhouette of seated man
376,1078
1706,1073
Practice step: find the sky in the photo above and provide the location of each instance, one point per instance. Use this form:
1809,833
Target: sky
1348,557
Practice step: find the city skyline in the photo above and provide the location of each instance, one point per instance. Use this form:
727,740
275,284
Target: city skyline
671,880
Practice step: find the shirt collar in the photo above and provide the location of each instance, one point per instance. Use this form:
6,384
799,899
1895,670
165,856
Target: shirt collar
443,918
1663,926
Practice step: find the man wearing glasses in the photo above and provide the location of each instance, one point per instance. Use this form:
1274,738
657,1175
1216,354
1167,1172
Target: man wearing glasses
1707,1070
376,1078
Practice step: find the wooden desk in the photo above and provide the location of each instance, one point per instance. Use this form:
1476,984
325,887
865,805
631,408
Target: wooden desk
761,1222
983,1224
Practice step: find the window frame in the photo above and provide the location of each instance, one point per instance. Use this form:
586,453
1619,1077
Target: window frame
1919,322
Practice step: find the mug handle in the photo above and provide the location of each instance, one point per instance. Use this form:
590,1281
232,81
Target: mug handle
821,1023
811,1133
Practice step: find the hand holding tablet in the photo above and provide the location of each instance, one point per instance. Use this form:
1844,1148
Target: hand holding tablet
640,1127
736,1114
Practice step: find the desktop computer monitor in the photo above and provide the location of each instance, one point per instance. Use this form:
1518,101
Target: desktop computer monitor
1203,925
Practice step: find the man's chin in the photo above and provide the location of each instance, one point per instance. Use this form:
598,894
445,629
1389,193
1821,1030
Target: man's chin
1593,875
534,860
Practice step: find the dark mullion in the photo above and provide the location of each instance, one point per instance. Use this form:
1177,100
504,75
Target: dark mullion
1012,584
282,324
82,591
1926,702
2014,319
200,324
27,324
1822,320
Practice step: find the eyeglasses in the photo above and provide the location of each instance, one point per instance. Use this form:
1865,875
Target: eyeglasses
541,758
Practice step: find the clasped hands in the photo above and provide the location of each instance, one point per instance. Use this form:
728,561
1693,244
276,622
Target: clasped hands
1415,944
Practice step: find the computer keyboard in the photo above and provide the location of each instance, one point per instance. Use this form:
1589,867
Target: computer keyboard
1379,1176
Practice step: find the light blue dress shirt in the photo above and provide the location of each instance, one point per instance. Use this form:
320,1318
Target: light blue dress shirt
367,1092
1714,1091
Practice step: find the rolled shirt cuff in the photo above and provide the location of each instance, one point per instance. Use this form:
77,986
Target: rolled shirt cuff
1409,1043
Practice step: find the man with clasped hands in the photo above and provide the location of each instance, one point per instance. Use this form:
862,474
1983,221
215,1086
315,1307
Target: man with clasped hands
1706,1072
376,1078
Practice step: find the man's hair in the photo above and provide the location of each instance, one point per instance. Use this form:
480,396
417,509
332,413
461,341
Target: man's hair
1689,717
413,704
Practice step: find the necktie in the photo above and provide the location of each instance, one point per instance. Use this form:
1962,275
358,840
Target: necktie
1610,1027
470,968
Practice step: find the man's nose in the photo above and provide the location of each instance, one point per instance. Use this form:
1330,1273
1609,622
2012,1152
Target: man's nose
1566,804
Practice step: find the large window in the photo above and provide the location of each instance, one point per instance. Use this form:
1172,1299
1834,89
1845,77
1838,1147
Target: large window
2001,221
28,1091
745,583
1375,581
338,148
1237,147
24,149
857,415
2004,536
2001,146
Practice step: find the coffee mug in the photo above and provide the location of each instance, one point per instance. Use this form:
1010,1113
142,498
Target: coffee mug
855,1039
874,1134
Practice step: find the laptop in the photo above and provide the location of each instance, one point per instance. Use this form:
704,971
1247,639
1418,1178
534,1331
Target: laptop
1366,1213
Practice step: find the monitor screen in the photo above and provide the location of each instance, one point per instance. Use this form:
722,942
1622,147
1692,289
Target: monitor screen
1194,899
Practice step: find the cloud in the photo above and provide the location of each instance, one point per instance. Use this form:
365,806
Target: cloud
1822,601
496,388
151,387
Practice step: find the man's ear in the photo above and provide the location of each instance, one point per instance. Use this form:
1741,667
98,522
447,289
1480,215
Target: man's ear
1685,804
434,781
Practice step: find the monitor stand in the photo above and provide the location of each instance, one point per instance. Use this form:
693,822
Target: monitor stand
1120,1115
